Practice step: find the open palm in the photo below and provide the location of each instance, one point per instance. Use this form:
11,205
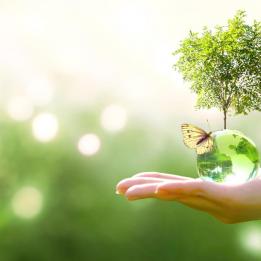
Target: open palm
228,203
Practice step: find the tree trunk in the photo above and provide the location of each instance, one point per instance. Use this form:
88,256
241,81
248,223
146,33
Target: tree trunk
225,119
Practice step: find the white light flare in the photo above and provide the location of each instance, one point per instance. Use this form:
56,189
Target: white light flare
27,202
20,108
235,179
113,118
89,144
251,239
45,127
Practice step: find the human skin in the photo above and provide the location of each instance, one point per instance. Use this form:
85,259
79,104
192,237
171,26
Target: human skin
228,203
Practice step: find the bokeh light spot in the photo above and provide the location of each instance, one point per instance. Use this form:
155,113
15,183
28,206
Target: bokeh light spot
113,118
89,144
250,238
27,202
45,127
20,108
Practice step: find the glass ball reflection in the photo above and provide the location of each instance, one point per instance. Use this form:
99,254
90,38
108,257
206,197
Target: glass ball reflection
233,159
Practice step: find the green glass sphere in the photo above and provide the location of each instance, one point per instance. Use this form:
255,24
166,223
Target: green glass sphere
233,159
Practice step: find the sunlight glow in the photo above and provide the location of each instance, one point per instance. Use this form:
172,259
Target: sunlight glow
45,127
251,239
89,144
113,118
20,108
27,202
163,62
39,90
133,19
234,179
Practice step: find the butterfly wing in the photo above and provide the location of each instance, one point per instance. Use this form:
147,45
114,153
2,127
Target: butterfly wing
205,146
192,137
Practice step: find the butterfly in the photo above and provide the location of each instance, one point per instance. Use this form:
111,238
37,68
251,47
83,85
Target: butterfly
196,138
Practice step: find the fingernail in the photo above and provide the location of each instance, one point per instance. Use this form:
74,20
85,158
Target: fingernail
118,192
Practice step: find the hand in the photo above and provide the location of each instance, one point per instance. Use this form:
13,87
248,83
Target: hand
228,203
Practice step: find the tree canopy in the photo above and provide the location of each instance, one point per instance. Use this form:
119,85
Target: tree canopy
223,65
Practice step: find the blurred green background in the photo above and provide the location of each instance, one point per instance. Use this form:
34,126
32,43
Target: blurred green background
88,97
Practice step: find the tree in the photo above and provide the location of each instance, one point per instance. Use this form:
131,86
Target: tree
223,66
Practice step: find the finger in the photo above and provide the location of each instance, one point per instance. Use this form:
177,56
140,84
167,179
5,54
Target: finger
125,184
148,191
141,191
182,188
161,175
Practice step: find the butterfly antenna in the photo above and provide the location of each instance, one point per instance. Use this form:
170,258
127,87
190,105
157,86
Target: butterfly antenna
208,125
